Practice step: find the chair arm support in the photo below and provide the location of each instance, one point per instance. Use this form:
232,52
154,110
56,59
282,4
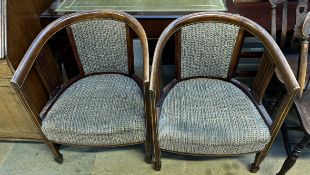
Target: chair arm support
279,118
275,53
281,114
34,114
146,98
153,114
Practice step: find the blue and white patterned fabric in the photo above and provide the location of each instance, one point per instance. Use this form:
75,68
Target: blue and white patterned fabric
98,110
207,49
212,117
101,45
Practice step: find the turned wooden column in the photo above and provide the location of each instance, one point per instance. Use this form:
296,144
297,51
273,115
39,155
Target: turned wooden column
291,159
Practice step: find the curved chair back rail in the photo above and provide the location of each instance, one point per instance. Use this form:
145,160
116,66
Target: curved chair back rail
28,61
272,59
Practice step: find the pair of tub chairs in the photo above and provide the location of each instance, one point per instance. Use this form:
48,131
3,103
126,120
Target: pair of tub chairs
203,111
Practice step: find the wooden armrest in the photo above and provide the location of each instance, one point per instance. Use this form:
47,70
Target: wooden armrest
275,55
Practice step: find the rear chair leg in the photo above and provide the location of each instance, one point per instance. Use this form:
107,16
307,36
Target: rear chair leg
291,159
148,123
148,141
157,164
55,150
148,154
258,160
157,157
59,159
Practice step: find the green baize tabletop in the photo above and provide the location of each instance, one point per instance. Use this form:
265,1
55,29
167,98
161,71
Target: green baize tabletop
143,5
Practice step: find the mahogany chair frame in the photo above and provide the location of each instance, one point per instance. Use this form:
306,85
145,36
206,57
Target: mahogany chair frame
272,59
35,60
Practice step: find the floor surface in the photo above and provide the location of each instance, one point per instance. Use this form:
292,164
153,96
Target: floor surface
35,159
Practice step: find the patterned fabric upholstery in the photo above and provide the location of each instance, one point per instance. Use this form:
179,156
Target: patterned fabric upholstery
207,49
101,45
98,110
208,116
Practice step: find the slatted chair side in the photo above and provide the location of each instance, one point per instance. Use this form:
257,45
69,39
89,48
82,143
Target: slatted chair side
49,72
263,76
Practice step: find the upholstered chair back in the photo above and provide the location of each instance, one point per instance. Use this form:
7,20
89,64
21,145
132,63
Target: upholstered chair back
206,49
101,45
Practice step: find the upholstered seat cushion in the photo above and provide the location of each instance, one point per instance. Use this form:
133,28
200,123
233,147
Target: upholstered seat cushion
98,110
212,117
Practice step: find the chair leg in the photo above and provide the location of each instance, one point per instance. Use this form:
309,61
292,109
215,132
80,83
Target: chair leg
255,166
258,160
55,150
157,157
285,104
291,159
286,140
148,149
148,124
